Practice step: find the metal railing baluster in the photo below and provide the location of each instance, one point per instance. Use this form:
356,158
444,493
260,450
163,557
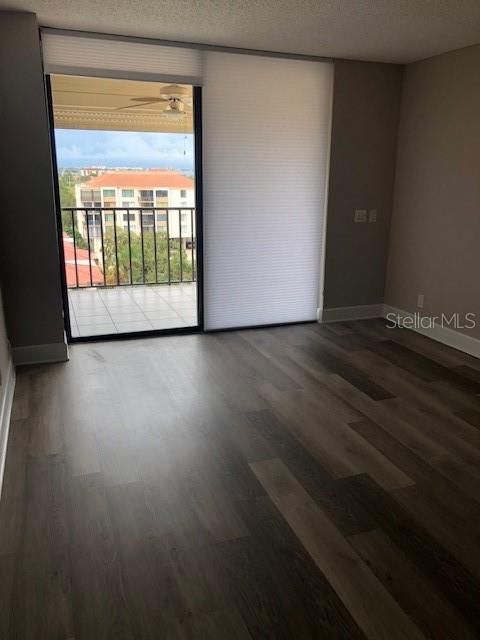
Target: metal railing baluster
129,247
74,247
180,243
191,247
155,244
88,243
116,245
101,214
168,247
143,247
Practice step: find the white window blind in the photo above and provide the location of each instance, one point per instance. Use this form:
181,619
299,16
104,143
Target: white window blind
112,58
266,148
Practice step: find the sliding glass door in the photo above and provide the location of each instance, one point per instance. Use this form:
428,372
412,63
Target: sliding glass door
125,157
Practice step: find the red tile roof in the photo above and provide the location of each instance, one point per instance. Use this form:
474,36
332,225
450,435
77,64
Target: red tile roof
141,180
83,269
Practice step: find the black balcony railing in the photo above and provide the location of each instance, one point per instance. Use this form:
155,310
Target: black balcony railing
120,246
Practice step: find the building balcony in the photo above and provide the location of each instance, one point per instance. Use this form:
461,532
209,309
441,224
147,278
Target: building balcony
127,270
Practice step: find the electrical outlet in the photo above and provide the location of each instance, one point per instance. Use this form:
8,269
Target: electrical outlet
372,215
420,300
360,215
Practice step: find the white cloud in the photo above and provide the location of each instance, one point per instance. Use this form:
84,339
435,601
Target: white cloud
77,148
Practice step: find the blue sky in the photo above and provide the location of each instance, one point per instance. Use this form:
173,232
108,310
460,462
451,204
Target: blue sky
79,148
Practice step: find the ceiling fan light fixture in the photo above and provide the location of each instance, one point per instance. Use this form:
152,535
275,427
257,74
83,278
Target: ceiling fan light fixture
176,105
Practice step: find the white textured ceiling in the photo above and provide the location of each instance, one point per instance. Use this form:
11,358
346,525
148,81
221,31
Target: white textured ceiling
377,30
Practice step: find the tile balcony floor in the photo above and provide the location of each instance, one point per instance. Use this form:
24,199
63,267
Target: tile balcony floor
96,311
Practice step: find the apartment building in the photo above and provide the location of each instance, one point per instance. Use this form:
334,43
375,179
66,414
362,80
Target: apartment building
92,171
132,195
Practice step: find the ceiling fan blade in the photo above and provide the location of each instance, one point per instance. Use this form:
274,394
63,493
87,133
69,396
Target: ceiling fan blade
175,91
134,106
150,98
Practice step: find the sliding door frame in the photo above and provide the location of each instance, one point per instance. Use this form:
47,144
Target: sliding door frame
58,209
199,327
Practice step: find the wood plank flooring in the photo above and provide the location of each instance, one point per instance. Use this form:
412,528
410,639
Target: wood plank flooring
297,482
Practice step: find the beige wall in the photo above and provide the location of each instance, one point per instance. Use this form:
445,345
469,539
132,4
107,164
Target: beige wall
29,261
366,107
435,234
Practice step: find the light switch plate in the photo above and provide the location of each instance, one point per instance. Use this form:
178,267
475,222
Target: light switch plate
360,215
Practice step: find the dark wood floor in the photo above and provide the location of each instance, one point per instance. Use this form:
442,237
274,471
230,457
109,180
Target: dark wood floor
299,482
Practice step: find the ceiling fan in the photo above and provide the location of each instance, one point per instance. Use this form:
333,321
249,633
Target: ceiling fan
174,95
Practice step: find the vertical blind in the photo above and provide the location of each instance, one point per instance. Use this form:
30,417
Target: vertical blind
266,149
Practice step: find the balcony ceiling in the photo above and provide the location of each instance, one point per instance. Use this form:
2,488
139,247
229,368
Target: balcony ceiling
99,104
378,30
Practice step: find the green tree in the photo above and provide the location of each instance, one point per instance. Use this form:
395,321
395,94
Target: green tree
67,226
180,262
66,184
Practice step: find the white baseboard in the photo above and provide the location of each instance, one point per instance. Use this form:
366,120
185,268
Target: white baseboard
40,353
359,312
6,403
445,335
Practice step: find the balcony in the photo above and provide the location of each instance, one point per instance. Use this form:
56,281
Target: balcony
103,311
129,270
